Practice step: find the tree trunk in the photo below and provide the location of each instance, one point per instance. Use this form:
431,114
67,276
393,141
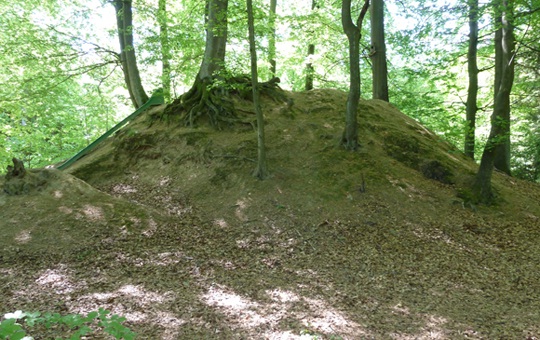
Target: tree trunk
202,99
505,40
378,51
309,65
482,190
350,135
124,20
261,171
216,38
472,93
309,68
272,38
165,50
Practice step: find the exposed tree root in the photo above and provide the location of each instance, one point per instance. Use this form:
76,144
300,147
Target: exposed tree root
213,99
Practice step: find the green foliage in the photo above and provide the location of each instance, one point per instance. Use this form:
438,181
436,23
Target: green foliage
93,323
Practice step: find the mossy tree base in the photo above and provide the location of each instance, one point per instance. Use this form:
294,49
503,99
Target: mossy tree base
211,98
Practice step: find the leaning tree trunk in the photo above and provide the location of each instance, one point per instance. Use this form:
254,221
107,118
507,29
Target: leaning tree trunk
482,189
378,51
124,20
472,92
165,49
261,171
350,135
505,40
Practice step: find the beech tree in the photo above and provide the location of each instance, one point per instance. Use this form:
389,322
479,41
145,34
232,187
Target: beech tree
309,66
482,189
472,92
504,62
165,49
124,21
201,98
352,30
272,38
378,51
261,171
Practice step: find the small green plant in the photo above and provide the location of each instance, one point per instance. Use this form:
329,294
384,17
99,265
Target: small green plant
79,325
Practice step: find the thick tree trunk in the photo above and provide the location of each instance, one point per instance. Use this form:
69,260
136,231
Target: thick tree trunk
309,65
165,50
124,20
272,38
216,38
261,171
378,51
482,190
472,93
350,135
505,45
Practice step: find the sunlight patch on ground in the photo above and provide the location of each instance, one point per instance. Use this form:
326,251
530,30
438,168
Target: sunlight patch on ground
23,236
57,280
241,205
126,301
164,180
314,314
123,189
93,213
152,227
161,259
220,222
65,210
138,294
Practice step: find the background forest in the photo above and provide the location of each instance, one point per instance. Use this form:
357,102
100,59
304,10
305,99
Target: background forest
63,85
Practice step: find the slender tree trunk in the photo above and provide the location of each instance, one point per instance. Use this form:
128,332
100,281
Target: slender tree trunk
378,51
506,45
482,189
310,71
309,65
216,38
272,38
124,20
350,135
472,93
261,171
165,50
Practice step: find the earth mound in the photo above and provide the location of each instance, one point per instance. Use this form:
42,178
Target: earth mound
170,229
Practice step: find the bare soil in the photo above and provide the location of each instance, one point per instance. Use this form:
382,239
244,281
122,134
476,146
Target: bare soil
166,226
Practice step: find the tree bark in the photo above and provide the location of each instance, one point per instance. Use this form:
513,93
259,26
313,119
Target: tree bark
350,135
261,171
482,189
272,38
309,65
124,21
216,38
472,92
165,50
505,45
378,51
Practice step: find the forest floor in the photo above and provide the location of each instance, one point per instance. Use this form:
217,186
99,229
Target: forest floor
166,226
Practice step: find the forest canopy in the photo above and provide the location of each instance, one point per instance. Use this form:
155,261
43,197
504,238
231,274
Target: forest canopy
64,73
